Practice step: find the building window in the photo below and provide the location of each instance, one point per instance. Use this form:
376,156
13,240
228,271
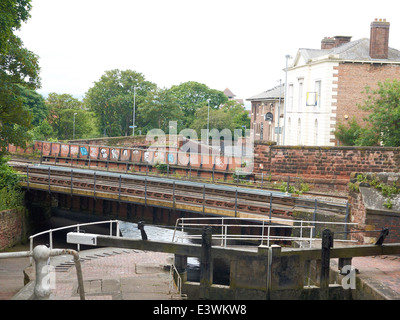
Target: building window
290,105
300,101
318,92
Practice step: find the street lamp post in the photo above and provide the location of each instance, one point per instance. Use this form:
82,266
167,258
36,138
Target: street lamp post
134,111
285,100
73,131
279,112
208,122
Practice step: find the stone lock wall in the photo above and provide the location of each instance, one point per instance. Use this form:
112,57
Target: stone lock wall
11,228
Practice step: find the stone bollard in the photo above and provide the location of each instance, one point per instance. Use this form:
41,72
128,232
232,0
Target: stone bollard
41,255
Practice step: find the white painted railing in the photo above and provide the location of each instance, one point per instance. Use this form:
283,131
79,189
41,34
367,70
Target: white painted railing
264,236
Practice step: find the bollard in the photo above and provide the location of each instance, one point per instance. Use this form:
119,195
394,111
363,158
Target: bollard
141,228
41,255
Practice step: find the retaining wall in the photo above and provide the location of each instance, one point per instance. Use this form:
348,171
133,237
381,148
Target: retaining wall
11,228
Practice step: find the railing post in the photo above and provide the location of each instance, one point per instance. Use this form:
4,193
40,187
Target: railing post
27,176
49,179
173,196
236,196
314,216
346,220
204,197
72,174
119,188
94,185
270,206
145,191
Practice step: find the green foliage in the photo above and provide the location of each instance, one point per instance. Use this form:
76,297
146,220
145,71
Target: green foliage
36,104
384,118
11,195
159,108
348,134
388,203
192,96
18,69
161,167
112,100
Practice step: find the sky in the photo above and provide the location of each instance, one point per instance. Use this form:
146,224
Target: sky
235,44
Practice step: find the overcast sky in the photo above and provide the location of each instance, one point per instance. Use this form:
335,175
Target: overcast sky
240,45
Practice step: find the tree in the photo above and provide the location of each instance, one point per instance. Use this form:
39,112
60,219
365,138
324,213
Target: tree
384,118
18,69
349,134
112,100
36,104
61,113
192,96
65,114
159,108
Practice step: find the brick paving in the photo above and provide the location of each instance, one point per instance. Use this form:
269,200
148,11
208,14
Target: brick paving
381,273
116,274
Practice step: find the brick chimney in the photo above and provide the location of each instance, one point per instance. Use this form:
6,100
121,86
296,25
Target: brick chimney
339,40
327,43
379,41
330,43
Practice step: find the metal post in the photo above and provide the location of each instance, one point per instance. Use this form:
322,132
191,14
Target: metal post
27,177
145,191
72,173
94,185
236,196
119,188
270,206
173,195
204,197
314,216
346,220
49,179
285,101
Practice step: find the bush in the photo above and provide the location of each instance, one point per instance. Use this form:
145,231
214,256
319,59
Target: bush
11,195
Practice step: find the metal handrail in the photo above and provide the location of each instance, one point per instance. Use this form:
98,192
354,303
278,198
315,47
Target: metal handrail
77,226
224,236
173,271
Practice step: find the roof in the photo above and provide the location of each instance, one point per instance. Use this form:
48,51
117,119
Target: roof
271,94
228,93
355,51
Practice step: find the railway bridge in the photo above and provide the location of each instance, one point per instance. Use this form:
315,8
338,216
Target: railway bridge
162,200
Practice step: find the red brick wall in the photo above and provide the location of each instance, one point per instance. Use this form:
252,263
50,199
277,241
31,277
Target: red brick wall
11,228
352,80
325,165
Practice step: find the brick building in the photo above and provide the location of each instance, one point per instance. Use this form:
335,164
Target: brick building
266,109
324,86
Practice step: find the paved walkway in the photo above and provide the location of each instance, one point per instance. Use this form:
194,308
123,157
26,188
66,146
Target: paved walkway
111,274
122,274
